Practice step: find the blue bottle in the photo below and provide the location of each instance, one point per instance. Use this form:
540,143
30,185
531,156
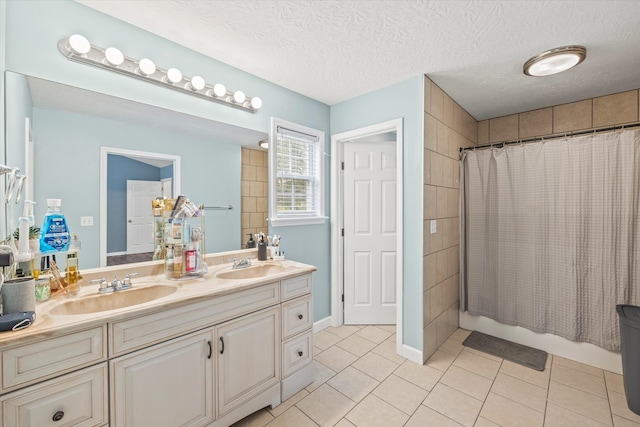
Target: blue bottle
54,235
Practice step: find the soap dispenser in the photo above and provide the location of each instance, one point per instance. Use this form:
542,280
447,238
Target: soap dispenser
251,243
262,249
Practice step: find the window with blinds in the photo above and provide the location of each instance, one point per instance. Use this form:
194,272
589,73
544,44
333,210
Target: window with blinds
296,186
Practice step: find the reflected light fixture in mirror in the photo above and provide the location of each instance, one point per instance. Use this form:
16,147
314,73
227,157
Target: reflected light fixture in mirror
555,61
78,48
264,144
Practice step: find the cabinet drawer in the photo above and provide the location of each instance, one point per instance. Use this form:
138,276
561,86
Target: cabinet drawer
296,316
296,353
44,359
296,286
151,329
76,399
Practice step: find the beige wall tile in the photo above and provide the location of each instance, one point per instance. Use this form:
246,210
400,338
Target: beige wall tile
245,220
470,127
447,172
483,132
573,116
262,174
258,220
255,189
427,167
256,157
430,132
244,188
249,173
503,128
437,166
456,174
427,94
262,205
536,123
429,340
436,238
443,139
429,267
456,140
426,239
441,268
446,233
437,102
453,200
453,256
430,202
436,301
248,204
448,110
458,121
442,204
426,308
615,109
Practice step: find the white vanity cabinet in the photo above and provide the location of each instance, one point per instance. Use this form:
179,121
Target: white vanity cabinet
166,385
206,361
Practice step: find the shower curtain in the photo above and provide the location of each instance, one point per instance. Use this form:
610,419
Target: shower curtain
550,234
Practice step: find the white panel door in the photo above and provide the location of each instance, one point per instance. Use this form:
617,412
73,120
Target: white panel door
370,233
140,215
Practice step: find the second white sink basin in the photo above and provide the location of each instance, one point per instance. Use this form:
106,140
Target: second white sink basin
251,272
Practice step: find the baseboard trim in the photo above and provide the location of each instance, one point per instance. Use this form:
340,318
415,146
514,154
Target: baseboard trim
412,354
321,324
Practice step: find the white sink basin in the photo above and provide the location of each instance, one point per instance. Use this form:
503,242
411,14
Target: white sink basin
251,272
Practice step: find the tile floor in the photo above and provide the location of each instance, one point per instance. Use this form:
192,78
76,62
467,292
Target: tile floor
360,381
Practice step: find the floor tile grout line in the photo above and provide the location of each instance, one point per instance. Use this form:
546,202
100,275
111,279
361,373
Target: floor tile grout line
486,398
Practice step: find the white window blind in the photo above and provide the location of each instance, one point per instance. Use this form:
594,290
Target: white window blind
297,185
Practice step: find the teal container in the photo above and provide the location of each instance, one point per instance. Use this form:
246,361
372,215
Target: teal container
54,235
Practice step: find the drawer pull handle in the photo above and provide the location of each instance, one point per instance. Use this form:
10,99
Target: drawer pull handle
58,416
222,349
210,349
300,353
300,316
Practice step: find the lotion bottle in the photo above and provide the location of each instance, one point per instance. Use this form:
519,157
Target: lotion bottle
262,249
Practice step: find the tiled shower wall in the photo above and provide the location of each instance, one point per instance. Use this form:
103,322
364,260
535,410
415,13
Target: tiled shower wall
254,194
610,110
447,127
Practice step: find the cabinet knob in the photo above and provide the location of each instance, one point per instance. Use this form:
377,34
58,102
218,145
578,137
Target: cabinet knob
58,416
300,353
300,316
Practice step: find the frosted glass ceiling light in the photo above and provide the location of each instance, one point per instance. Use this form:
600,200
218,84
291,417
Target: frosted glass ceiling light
146,67
555,61
113,56
174,75
78,49
79,44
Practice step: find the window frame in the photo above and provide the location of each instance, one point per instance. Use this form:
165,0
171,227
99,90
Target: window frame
278,219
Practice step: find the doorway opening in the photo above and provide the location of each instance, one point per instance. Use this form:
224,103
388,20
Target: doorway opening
387,141
115,217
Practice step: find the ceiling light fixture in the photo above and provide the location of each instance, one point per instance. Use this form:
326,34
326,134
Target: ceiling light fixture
78,48
264,144
555,61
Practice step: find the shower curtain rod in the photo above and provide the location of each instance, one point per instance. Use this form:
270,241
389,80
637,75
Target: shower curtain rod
556,136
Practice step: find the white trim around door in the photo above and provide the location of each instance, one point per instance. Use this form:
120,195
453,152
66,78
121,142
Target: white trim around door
337,223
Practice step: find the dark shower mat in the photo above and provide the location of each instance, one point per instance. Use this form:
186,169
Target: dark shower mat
517,353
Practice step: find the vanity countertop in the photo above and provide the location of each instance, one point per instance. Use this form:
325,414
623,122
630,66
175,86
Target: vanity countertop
187,291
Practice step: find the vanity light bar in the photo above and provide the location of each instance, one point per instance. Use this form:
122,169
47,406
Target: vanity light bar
77,48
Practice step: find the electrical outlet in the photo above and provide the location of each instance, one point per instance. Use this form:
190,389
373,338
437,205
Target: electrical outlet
86,221
433,226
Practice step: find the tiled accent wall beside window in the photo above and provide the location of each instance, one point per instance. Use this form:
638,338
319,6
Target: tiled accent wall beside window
255,193
610,110
447,127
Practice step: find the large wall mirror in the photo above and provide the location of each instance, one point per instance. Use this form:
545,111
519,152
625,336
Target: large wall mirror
87,145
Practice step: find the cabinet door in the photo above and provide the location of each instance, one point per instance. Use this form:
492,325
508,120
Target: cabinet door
248,357
170,384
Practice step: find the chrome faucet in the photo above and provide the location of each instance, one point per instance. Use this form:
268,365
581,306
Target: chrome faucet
115,285
242,263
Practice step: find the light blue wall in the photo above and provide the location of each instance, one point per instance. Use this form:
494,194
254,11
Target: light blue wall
33,29
119,170
402,100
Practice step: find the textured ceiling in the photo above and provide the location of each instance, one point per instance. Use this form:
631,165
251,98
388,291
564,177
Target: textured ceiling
333,51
